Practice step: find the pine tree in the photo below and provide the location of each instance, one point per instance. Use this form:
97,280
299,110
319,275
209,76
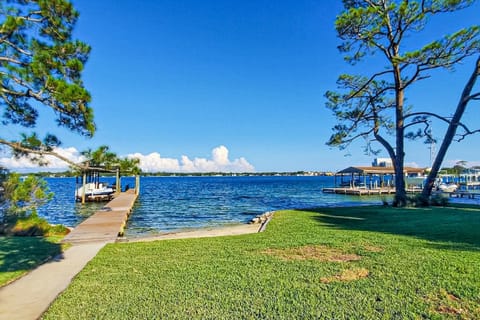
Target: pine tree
41,65
373,106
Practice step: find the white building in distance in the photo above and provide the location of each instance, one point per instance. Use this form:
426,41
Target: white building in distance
382,162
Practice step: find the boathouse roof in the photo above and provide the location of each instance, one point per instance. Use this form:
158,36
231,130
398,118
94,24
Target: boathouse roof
379,170
93,168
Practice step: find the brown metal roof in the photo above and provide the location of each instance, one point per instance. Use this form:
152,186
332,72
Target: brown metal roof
378,170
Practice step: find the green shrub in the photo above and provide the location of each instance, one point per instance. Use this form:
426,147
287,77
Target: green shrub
22,197
439,200
34,226
418,201
435,200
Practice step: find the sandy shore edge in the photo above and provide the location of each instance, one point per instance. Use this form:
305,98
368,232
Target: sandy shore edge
230,230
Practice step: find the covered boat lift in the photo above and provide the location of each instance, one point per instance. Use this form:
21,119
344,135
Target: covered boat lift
369,180
92,176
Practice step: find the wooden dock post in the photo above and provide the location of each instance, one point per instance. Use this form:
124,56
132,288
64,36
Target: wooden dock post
84,182
137,184
118,184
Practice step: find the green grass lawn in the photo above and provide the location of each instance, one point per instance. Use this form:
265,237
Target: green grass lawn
18,255
336,263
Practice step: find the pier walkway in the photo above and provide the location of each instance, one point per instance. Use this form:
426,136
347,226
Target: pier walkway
359,191
367,192
470,194
106,224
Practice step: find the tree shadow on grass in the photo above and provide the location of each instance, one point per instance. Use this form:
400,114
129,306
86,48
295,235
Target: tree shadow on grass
454,228
25,253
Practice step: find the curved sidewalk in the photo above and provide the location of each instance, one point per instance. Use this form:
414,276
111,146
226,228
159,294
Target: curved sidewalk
28,297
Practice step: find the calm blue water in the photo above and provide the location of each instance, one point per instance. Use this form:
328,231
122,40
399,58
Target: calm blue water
172,203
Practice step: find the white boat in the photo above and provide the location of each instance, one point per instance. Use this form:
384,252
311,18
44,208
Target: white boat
450,187
95,191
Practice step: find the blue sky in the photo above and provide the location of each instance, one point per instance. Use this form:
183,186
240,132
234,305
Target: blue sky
247,78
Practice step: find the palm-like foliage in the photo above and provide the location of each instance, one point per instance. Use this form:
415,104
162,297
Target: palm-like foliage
104,159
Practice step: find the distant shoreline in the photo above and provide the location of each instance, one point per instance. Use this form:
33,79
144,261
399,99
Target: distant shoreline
67,174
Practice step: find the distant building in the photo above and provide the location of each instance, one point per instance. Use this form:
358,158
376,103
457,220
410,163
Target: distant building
382,162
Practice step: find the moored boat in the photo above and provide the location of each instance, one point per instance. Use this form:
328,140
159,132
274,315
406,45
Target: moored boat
450,187
95,192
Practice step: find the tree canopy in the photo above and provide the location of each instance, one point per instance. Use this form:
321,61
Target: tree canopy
107,160
41,65
372,106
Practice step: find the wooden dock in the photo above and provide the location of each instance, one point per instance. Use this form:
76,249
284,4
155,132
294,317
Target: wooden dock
359,191
464,193
367,191
106,224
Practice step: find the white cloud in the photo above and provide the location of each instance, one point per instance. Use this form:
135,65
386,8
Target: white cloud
152,162
54,164
411,164
452,163
220,156
219,162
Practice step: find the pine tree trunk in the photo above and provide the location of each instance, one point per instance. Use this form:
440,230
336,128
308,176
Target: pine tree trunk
400,193
400,199
450,133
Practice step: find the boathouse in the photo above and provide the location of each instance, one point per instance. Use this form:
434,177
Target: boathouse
369,180
89,186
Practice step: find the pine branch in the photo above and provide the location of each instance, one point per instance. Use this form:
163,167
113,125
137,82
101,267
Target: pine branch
19,147
16,48
367,83
444,119
467,133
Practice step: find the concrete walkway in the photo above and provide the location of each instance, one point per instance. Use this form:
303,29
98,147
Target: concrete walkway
28,297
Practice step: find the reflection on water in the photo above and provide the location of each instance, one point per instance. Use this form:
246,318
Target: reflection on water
170,203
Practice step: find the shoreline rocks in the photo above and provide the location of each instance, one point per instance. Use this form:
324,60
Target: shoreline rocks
260,219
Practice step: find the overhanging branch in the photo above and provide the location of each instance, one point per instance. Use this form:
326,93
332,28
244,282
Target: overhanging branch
447,120
18,146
